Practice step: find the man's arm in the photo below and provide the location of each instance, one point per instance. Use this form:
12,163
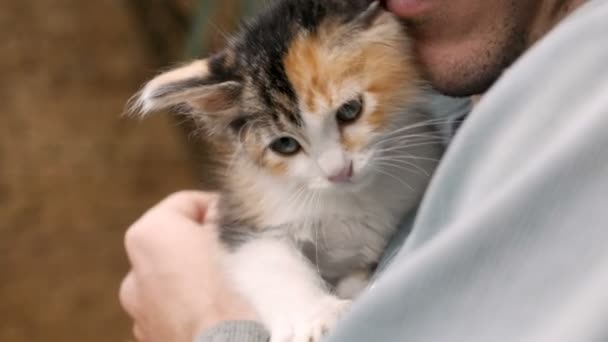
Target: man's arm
235,331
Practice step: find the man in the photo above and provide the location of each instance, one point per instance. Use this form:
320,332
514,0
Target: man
509,243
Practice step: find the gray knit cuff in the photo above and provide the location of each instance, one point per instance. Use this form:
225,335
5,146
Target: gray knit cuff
235,331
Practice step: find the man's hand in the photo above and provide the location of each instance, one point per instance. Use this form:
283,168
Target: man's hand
176,287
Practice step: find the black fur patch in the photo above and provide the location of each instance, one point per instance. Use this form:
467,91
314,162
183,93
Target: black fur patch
264,42
221,70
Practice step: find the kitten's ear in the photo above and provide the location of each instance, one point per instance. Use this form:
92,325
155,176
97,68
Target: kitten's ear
204,88
369,16
372,12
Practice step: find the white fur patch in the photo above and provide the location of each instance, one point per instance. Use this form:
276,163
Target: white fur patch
286,290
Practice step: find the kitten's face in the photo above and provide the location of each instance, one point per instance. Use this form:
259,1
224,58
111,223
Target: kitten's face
308,105
351,87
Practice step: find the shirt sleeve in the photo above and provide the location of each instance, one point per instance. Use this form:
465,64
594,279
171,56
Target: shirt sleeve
235,331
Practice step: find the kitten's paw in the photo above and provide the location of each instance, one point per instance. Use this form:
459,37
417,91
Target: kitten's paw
313,328
352,285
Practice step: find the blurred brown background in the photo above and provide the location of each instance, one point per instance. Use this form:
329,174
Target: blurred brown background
74,173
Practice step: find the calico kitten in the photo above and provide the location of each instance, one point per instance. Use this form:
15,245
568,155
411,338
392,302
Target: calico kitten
320,104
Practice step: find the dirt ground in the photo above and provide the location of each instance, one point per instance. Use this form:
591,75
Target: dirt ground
73,173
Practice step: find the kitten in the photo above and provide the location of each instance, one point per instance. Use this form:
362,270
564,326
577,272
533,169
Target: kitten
320,104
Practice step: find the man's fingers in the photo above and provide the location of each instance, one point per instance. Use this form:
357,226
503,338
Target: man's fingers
182,209
128,295
191,204
138,333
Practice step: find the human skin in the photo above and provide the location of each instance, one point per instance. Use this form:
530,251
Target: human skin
464,45
175,288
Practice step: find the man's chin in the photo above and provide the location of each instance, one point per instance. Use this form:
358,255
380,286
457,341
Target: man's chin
461,88
459,79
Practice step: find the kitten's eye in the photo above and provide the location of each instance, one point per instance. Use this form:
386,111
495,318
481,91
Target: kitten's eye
350,111
286,146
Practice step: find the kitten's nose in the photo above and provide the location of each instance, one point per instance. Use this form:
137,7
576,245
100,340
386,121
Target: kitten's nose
343,175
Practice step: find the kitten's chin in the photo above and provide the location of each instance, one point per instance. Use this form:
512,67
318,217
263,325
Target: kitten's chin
318,184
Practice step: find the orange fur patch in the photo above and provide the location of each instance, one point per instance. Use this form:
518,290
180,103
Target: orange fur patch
277,168
378,60
352,142
377,119
302,65
275,165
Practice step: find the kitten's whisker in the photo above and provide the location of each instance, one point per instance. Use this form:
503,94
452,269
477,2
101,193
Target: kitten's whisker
300,201
408,137
385,142
409,157
407,145
409,142
390,134
426,123
404,162
316,233
400,167
395,178
296,195
308,224
389,137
